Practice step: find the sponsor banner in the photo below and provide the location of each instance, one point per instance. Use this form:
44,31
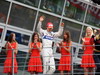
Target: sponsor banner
92,10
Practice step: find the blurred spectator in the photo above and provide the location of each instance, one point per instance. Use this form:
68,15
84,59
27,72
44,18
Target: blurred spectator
96,39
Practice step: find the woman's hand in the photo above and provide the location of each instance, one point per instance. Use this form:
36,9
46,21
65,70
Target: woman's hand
62,44
57,44
39,47
83,39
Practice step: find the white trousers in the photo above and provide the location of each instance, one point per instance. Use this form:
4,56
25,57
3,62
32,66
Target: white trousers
48,61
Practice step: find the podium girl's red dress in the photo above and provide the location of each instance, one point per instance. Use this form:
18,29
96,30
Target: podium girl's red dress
8,61
87,58
35,63
65,60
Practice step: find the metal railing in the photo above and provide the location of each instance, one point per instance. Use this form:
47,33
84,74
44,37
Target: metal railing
23,58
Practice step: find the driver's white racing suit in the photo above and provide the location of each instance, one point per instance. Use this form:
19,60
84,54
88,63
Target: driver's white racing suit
47,52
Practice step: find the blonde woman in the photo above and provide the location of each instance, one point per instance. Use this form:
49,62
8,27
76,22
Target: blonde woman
87,60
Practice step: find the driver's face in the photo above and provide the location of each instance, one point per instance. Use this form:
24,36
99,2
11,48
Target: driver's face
49,29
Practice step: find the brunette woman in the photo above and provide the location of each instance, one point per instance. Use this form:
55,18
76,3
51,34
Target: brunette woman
65,60
35,63
11,46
